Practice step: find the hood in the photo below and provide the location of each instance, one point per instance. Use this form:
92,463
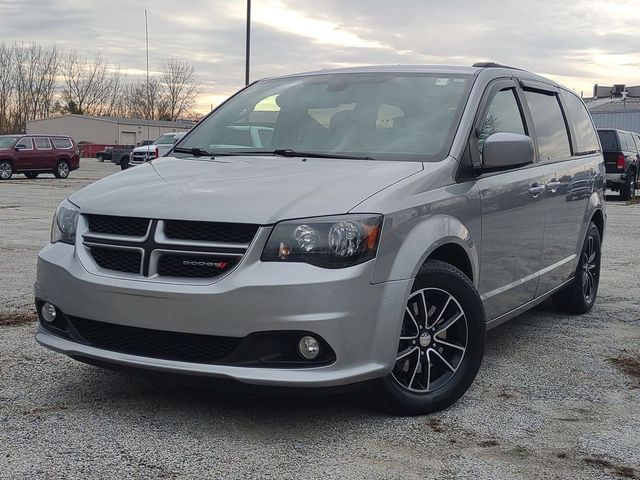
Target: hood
145,148
261,190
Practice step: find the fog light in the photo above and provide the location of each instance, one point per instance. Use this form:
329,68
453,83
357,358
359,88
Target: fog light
48,312
308,348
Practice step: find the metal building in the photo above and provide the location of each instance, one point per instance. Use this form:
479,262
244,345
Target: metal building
615,107
105,130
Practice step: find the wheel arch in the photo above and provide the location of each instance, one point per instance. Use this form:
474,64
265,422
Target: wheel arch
440,237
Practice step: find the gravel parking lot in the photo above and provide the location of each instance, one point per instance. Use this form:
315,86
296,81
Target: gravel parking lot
557,396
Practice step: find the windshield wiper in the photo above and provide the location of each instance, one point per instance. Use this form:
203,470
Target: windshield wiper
195,151
288,152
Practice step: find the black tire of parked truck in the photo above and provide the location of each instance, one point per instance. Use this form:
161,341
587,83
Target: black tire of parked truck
580,295
124,162
440,347
628,189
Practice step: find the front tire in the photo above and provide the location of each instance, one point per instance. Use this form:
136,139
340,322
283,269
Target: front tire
6,170
100,159
441,344
580,295
62,169
124,163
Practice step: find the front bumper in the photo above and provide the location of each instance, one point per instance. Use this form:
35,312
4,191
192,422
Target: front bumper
360,321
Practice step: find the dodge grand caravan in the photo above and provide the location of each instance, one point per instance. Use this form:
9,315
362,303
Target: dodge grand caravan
394,215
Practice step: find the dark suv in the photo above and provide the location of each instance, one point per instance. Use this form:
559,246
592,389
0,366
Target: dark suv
621,159
36,154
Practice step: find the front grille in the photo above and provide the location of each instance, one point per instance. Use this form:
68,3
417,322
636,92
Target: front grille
193,266
117,259
165,248
210,231
185,347
111,225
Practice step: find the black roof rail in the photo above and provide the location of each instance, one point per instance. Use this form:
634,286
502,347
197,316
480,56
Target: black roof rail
493,65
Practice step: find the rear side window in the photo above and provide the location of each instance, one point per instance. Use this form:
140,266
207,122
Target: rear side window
551,130
503,116
629,141
42,143
585,135
61,142
608,140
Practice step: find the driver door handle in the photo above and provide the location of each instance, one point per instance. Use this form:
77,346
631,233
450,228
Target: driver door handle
552,186
536,189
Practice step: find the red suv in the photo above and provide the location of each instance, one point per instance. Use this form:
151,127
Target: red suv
35,154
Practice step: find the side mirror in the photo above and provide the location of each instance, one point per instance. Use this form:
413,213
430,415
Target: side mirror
507,150
20,146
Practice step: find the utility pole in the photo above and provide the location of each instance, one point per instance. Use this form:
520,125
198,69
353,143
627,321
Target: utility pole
146,35
248,44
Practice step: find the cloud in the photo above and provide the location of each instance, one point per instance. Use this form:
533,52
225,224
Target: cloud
577,42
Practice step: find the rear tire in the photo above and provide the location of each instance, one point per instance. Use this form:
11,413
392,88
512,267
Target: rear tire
437,359
100,159
628,189
6,170
580,295
31,175
62,169
124,163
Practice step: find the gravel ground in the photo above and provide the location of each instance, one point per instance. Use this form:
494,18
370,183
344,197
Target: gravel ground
557,396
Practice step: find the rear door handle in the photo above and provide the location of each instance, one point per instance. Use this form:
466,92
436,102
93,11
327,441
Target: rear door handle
552,186
536,189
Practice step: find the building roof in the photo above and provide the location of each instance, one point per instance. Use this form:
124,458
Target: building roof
614,105
126,121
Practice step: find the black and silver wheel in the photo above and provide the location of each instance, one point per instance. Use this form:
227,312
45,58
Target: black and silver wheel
62,169
31,175
440,346
100,159
6,169
580,295
628,189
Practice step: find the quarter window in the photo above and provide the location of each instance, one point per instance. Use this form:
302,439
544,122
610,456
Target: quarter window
61,142
551,130
586,140
503,116
42,143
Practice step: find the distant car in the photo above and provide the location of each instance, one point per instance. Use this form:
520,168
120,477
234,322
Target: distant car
105,154
157,148
621,160
36,154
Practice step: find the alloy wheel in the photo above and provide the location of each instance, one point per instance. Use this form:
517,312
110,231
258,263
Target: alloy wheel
433,341
5,170
590,269
63,169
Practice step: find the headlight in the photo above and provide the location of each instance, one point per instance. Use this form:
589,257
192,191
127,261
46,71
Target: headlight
328,242
65,223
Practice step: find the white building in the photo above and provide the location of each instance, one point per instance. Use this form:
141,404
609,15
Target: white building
105,130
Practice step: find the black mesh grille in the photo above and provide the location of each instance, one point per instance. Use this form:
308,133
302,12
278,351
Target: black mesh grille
134,227
186,347
117,259
194,266
210,231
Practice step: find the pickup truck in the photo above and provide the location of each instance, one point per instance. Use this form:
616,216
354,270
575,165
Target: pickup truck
621,151
117,154
157,148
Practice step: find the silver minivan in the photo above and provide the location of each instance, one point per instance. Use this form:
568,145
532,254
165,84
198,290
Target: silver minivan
388,218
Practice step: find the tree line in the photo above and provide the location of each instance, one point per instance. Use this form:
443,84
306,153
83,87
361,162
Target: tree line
38,81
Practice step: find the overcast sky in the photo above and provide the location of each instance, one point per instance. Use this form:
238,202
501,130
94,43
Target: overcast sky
577,43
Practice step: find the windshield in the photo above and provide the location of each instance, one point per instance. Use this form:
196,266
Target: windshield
387,116
165,139
8,142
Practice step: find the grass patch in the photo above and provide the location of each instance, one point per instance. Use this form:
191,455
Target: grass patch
12,319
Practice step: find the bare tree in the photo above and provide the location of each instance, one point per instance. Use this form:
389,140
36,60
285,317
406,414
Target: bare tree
88,85
180,87
6,87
